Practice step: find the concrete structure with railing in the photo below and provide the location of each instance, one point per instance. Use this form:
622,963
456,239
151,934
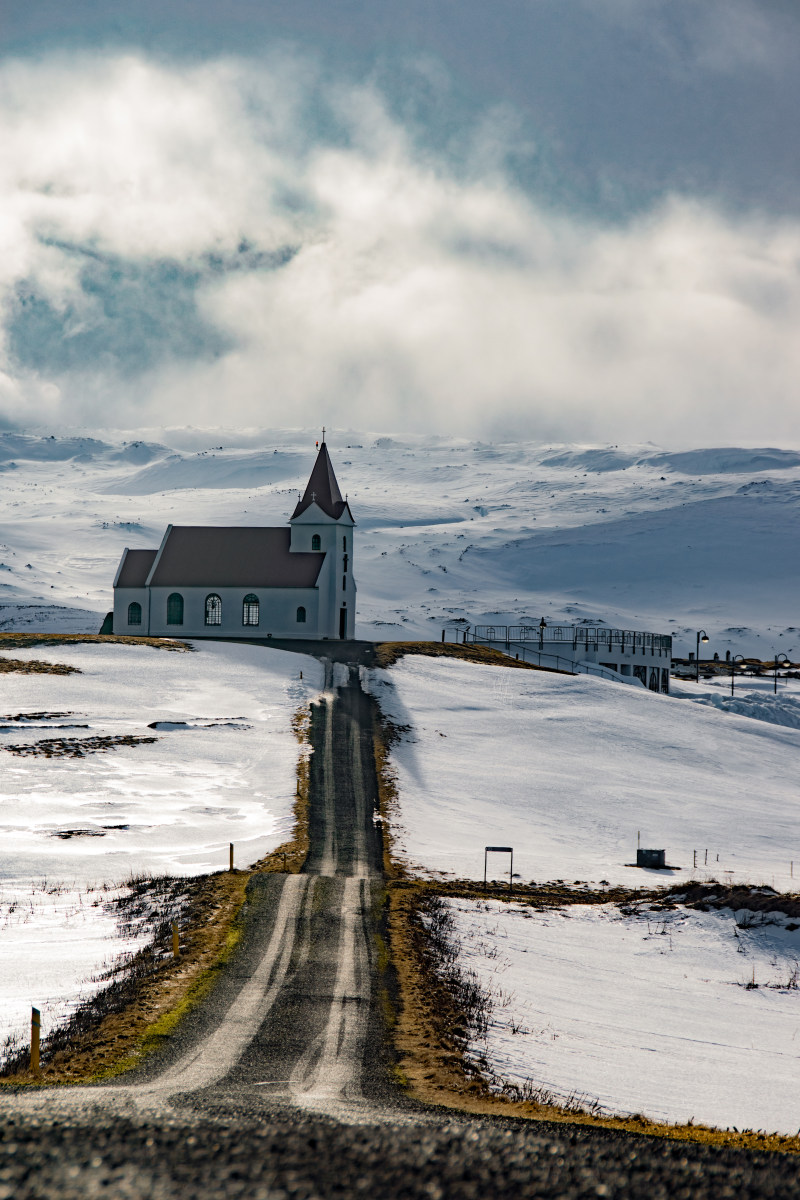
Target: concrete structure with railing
627,655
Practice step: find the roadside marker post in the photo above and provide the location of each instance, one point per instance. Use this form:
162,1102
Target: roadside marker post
36,1024
230,856
499,850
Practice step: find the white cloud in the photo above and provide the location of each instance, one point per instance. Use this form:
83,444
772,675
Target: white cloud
145,204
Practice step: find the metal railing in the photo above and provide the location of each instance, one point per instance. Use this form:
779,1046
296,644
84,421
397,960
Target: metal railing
556,662
595,637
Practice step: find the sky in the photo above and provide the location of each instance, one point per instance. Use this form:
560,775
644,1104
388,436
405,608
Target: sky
577,220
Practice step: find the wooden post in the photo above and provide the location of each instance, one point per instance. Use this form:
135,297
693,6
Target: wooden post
230,857
442,635
36,1022
176,941
694,852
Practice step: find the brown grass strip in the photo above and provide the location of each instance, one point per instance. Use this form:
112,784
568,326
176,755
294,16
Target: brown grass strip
25,641
123,1038
429,1042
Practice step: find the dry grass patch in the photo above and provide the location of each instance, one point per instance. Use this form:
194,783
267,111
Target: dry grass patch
25,641
20,666
77,747
388,653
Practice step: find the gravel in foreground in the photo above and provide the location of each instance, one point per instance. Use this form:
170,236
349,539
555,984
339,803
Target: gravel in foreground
123,1159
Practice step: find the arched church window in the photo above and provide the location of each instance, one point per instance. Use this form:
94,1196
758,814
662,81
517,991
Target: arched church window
134,613
316,543
175,609
213,610
250,610
301,615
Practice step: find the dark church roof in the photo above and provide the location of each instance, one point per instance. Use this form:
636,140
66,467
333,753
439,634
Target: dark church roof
135,568
322,489
233,556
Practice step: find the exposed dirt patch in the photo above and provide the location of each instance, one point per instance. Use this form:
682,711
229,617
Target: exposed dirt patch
21,666
388,653
77,747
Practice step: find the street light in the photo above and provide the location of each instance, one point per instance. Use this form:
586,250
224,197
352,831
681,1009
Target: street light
736,658
702,636
778,658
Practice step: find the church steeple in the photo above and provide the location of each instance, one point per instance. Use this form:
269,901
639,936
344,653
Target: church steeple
322,488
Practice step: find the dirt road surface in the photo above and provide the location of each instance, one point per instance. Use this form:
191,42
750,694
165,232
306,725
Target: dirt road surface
279,1084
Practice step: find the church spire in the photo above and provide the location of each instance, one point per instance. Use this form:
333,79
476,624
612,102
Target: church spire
322,488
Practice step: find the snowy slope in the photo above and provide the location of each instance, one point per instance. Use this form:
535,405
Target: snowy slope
222,770
570,770
646,1013
448,530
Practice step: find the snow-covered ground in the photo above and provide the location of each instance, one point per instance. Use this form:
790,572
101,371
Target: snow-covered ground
652,1013
571,771
222,770
447,530
648,1012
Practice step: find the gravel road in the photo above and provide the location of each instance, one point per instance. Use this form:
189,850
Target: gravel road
278,1086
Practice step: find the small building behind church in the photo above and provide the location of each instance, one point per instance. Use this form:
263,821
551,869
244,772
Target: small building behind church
248,581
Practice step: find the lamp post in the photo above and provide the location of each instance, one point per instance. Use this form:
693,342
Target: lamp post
736,658
542,627
778,658
702,636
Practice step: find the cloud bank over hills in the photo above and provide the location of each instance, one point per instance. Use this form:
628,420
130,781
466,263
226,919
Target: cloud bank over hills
274,237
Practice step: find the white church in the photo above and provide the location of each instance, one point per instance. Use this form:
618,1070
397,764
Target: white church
248,581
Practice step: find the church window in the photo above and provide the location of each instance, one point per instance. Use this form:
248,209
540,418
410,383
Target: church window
213,610
344,544
134,613
344,563
316,543
250,610
175,609
344,583
301,615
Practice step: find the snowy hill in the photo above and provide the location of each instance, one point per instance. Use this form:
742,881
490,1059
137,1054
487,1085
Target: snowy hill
449,531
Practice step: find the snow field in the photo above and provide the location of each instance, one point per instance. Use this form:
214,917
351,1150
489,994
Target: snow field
645,1013
569,769
222,770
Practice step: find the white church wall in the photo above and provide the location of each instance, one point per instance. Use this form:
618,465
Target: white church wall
123,598
277,613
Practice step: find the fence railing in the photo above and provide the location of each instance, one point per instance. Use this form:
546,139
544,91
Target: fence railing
556,662
589,637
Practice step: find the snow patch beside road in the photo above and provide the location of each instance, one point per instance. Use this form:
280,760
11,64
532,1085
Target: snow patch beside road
653,1012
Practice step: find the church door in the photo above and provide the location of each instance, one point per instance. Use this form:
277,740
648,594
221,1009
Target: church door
342,622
